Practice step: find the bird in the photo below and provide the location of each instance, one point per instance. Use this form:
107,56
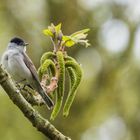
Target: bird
18,64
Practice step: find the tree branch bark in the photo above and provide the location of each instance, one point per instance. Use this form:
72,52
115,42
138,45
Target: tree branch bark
33,116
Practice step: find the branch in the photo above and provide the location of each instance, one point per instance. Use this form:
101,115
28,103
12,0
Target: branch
52,86
33,116
31,96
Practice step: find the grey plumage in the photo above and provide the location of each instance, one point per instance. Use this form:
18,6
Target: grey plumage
19,65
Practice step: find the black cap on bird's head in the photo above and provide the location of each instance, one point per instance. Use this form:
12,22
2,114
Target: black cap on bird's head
18,41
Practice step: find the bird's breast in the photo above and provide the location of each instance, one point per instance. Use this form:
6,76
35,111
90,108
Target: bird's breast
16,67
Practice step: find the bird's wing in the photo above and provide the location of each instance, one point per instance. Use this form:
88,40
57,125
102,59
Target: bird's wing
30,66
39,88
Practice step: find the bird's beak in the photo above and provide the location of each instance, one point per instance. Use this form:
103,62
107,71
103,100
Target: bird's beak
26,44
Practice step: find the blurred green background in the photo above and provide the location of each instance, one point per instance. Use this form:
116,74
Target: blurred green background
107,105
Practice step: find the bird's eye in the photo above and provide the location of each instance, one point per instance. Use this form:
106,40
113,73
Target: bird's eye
21,44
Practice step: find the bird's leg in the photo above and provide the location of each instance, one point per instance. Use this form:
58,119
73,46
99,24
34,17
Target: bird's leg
27,85
20,81
17,83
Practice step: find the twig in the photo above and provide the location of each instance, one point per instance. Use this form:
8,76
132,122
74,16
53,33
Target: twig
52,86
32,97
33,116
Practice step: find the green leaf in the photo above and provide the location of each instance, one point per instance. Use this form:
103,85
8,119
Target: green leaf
80,37
80,32
75,74
61,82
47,55
66,38
77,37
84,42
58,28
52,28
56,34
48,32
68,41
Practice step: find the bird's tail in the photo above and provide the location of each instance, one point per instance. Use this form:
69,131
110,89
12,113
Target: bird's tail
46,98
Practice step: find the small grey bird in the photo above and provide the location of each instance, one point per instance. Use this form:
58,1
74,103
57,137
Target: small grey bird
21,68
